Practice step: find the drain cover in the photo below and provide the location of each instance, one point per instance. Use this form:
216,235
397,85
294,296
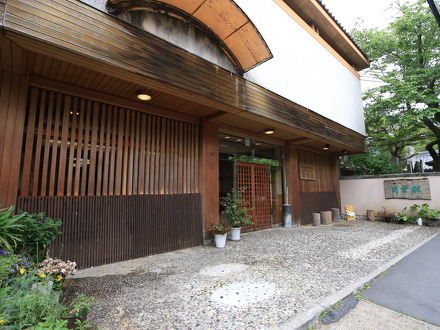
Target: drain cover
243,293
223,269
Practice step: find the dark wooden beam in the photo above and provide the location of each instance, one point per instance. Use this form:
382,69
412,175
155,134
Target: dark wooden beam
301,140
253,135
219,117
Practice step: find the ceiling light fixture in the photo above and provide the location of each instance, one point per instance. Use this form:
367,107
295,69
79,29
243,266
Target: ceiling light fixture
227,137
344,151
326,147
142,96
269,131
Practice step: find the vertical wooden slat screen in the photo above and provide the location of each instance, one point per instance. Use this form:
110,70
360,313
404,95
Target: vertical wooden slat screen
104,229
78,147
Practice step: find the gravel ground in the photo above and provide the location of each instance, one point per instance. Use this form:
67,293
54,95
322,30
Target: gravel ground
305,264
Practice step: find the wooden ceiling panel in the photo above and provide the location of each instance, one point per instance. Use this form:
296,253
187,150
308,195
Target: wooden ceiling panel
258,128
50,68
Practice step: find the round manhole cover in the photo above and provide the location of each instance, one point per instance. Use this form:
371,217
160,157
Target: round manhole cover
243,293
223,269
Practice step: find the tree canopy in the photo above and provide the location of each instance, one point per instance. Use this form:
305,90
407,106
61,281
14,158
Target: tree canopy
405,56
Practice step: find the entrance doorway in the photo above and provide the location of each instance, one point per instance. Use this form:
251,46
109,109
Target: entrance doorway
256,167
254,179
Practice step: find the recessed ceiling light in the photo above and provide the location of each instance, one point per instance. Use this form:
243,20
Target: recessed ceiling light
227,137
142,96
269,131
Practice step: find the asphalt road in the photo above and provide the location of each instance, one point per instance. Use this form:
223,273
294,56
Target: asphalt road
412,286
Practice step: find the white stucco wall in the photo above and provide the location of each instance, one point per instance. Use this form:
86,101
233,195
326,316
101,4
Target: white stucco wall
302,70
369,194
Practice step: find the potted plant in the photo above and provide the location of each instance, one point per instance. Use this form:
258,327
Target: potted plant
386,216
401,217
429,216
220,231
236,212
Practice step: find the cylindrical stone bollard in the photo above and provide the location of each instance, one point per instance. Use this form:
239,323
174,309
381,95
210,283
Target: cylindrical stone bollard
370,215
287,214
316,219
336,215
323,218
328,215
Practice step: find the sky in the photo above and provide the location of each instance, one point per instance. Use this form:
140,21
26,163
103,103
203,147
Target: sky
373,14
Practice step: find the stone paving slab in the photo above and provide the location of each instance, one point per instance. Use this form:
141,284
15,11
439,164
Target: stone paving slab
304,265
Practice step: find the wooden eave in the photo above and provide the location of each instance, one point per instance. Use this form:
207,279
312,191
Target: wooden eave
76,33
223,17
314,14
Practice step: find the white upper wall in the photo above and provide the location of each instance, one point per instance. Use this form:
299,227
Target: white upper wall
301,69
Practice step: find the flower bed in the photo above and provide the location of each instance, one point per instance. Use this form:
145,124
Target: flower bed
31,292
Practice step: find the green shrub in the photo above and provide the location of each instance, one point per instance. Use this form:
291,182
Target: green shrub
10,228
38,234
22,307
235,209
424,211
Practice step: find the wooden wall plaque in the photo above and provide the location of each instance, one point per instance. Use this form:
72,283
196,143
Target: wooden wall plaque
407,189
307,172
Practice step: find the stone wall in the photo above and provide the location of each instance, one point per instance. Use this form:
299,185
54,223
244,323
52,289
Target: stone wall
367,192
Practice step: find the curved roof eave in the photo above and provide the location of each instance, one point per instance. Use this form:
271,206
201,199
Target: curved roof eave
225,19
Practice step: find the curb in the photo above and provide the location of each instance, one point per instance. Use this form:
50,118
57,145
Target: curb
310,318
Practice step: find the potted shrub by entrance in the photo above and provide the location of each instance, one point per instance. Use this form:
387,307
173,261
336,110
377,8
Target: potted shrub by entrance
220,231
236,212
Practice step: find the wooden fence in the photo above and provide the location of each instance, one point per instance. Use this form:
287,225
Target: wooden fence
104,229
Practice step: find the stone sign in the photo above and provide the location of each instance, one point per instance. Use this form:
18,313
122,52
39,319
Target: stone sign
407,189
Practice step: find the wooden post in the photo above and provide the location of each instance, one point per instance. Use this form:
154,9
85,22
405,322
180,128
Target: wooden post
336,174
292,180
210,174
13,97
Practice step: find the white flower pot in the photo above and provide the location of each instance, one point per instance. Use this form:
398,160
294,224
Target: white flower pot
235,233
419,221
220,240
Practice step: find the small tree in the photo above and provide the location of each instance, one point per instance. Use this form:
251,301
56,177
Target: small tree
406,58
235,209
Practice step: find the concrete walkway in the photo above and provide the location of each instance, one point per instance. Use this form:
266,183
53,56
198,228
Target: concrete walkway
407,296
272,278
370,316
412,286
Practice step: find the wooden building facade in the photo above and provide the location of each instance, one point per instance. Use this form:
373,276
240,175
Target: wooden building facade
131,178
